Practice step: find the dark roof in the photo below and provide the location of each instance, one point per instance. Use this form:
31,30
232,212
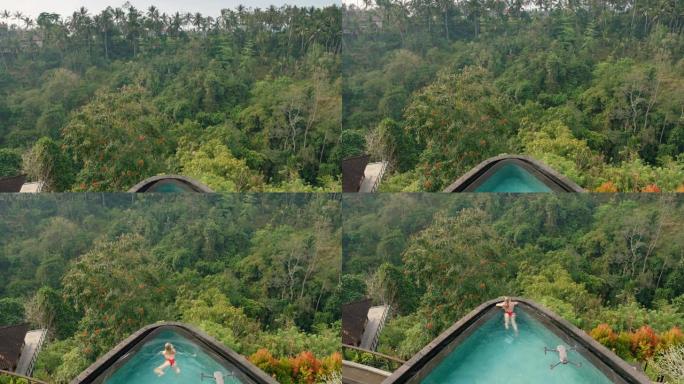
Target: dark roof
12,184
112,359
352,172
177,183
354,317
416,368
11,343
547,175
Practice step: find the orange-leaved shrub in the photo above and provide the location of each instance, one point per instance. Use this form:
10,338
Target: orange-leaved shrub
608,186
671,338
604,334
639,345
644,343
304,368
651,188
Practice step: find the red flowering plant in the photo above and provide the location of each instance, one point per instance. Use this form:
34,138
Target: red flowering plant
304,368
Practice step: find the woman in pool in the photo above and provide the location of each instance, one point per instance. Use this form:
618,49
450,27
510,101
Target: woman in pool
169,354
509,316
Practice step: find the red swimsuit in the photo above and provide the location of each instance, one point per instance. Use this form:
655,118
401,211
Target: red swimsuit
172,362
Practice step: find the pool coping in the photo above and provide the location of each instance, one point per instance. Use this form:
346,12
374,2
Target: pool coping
407,371
528,163
105,361
196,184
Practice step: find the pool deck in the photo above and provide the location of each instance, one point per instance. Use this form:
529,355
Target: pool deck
355,373
33,341
376,320
372,176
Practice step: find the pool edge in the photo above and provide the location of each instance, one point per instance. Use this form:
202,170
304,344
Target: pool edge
105,361
407,371
197,185
473,174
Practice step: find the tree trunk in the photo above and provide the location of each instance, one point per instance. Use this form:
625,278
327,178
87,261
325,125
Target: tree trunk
105,45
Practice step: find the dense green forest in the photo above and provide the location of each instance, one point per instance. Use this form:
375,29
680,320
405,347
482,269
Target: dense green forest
248,100
612,265
258,272
594,88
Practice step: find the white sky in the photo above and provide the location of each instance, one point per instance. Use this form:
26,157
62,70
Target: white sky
206,7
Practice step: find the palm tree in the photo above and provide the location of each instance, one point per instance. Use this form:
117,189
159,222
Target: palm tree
224,19
165,21
153,12
154,21
175,24
208,23
18,16
83,13
240,13
272,17
104,24
81,24
133,27
197,20
187,18
28,22
119,15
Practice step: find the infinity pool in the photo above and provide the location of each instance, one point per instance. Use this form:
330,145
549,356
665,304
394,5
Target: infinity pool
169,186
196,364
512,178
492,354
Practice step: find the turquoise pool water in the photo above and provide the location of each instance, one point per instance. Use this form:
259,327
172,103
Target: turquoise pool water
138,367
512,178
492,354
169,186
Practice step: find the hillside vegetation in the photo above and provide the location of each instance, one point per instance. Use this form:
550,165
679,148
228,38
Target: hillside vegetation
593,88
248,100
612,265
258,272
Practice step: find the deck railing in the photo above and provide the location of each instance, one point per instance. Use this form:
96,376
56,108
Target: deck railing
381,325
34,358
355,373
29,380
371,358
376,183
